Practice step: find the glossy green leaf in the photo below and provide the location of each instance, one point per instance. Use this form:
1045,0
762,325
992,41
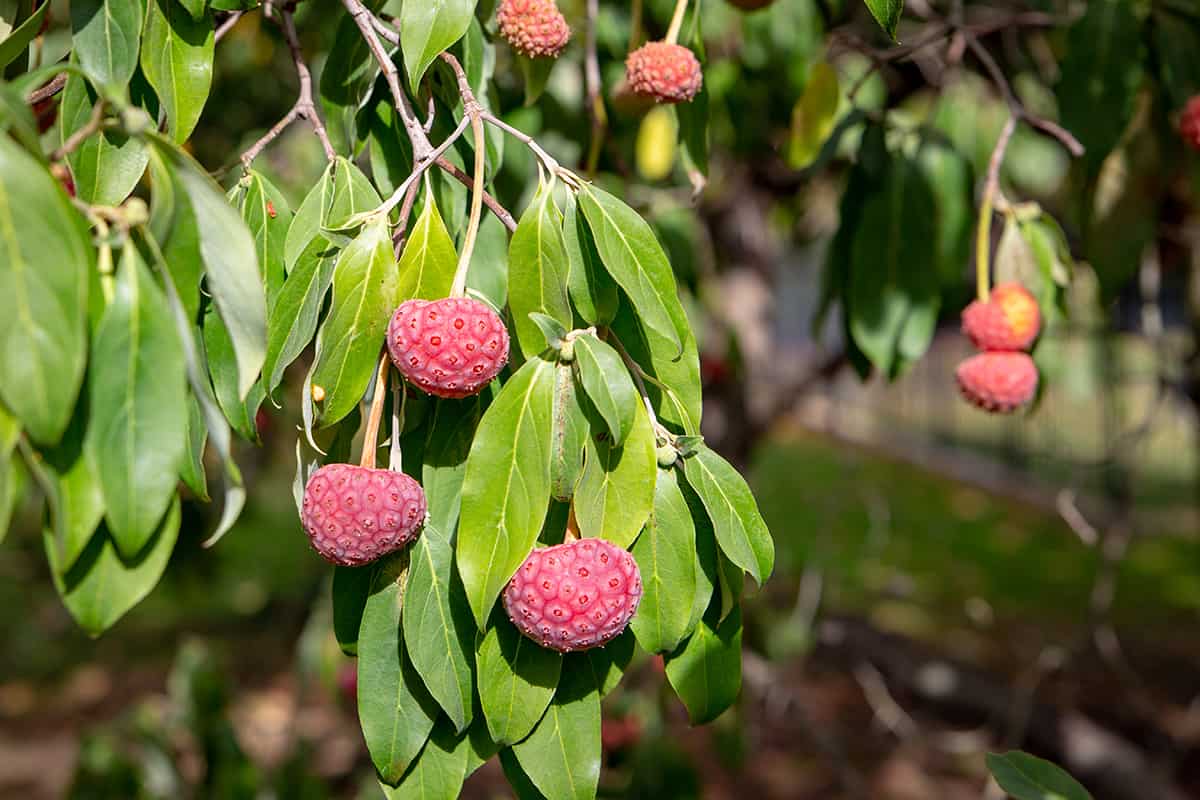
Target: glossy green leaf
562,755
293,317
308,219
666,556
231,264
268,216
364,297
351,588
346,84
451,428
741,532
222,367
608,385
1027,777
173,225
706,671
107,166
438,629
101,586
517,679
14,45
507,485
429,259
80,500
177,59
887,13
350,194
138,405
616,492
1177,50
569,440
428,28
518,780
635,259
394,709
105,39
675,388
439,772
537,271
47,256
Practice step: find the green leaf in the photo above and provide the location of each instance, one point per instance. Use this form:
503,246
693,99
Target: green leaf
562,755
439,772
616,492
177,59
537,271
101,586
452,425
487,277
80,506
675,390
173,224
16,116
893,269
294,314
571,429
195,7
706,672
12,475
191,472
346,84
1100,76
707,560
137,396
1177,51
47,257
518,781
666,556
107,166
351,193
949,177
268,216
608,385
507,485
394,709
637,262
17,41
428,28
739,527
222,366
364,297
351,588
608,663
887,14
227,249
105,39
1027,777
814,116
536,72
517,678
308,219
429,259
438,629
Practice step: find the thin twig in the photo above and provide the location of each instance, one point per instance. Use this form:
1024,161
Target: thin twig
95,123
227,25
400,235
49,90
595,101
473,111
676,22
983,239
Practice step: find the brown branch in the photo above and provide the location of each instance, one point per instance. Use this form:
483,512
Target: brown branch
49,90
595,99
226,26
95,123
304,107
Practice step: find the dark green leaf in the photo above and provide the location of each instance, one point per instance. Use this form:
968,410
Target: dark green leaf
739,527
517,678
439,772
346,84
608,663
706,671
47,258
537,271
80,500
173,224
452,425
177,58
192,470
222,366
487,277
616,492
608,385
507,485
351,587
666,556
105,39
1027,777
562,755
107,166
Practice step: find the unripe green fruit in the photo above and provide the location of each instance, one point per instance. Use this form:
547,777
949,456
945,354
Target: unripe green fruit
667,456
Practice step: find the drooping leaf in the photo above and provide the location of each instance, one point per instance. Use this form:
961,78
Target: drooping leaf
191,472
706,671
364,297
887,14
394,708
562,755
537,271
294,314
351,588
105,39
591,288
439,772
608,385
666,556
675,390
101,586
451,428
507,485
222,366
429,259
616,492
637,262
814,116
517,678
80,500
346,84
268,216
438,629
740,530
47,258
173,225
428,28
571,428
137,432
1027,777
177,59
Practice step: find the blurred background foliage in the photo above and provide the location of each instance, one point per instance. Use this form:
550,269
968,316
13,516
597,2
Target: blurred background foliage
948,582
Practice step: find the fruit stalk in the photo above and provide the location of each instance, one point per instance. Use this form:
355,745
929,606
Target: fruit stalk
676,22
983,239
371,436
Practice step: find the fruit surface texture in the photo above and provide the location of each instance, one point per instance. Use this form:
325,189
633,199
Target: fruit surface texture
448,348
1009,320
998,382
574,596
354,515
668,73
534,28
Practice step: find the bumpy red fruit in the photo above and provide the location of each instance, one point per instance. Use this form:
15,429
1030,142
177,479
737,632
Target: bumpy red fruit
533,27
1189,123
998,382
574,596
449,348
1009,320
669,73
354,515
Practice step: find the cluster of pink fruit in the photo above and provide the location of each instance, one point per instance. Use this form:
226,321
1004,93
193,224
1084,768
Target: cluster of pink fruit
572,596
1003,377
